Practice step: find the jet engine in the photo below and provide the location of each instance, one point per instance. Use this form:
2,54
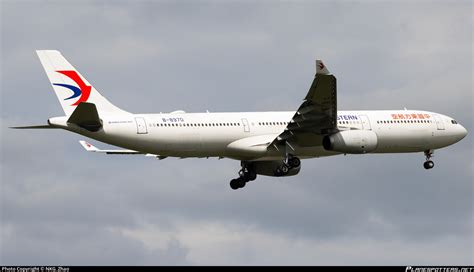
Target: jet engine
351,141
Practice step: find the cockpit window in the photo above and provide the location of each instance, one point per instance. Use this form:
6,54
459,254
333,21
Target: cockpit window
454,122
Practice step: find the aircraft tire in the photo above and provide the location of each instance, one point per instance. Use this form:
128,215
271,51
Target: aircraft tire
234,184
428,164
250,176
294,162
241,182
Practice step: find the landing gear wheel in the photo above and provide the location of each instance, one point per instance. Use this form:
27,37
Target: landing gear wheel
234,184
250,176
241,182
294,162
428,164
281,170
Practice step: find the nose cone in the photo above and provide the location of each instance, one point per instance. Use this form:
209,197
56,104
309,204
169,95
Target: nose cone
459,132
462,132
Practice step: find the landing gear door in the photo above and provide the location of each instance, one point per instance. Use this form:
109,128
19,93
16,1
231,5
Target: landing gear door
141,125
245,122
439,122
365,122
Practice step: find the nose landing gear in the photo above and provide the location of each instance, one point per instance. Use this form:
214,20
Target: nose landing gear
428,163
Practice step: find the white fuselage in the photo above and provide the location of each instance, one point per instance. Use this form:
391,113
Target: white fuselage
214,134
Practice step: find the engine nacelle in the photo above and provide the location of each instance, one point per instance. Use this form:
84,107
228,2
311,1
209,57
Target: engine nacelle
267,168
351,141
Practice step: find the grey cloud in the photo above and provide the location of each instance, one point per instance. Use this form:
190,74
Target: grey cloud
155,56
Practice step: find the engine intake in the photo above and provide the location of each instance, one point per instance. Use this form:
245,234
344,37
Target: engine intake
351,141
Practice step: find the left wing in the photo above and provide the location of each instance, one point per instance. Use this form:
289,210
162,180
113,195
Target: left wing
90,148
316,116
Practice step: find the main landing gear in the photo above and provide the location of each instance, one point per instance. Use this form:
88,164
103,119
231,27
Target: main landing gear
428,163
289,163
246,174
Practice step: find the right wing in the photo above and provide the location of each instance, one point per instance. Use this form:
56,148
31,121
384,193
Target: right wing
90,148
317,115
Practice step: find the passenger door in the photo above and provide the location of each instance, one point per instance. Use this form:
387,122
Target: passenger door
141,125
365,122
245,122
439,122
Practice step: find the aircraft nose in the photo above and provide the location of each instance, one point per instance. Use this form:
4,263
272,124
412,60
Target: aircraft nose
462,132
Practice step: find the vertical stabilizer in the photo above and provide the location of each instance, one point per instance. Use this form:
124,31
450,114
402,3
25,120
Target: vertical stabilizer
70,86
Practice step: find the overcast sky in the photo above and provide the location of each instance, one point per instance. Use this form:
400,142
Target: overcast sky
61,205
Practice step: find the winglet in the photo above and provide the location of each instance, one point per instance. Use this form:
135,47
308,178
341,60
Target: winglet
321,68
87,146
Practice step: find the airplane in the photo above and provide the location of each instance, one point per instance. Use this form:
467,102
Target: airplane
268,143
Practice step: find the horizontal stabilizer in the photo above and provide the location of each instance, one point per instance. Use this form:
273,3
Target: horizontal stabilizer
34,127
89,147
86,116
